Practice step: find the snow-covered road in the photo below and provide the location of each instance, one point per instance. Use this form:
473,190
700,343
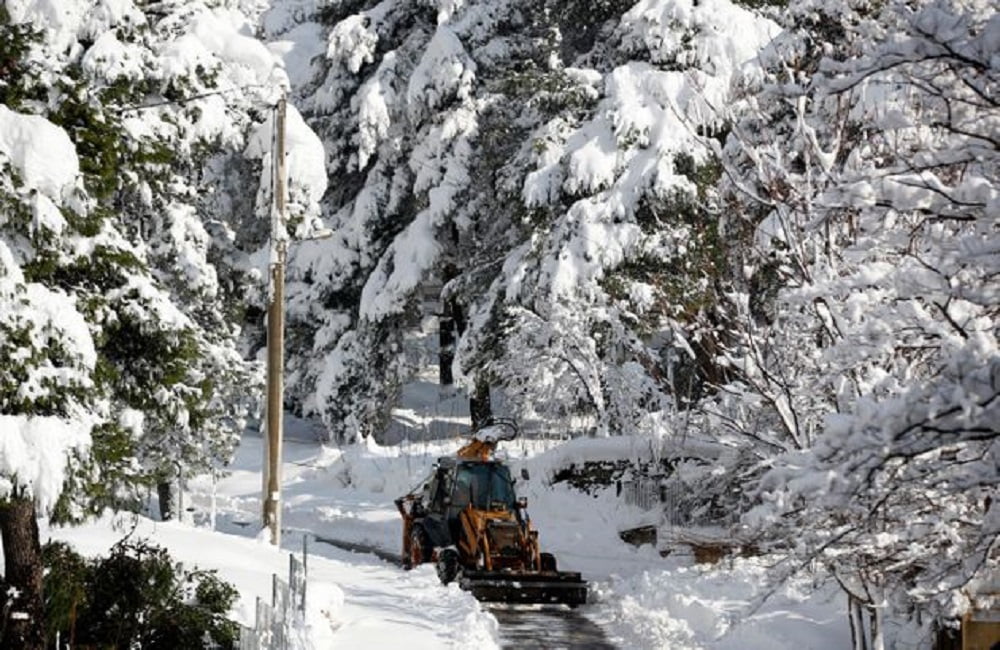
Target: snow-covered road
521,626
641,600
547,628
335,505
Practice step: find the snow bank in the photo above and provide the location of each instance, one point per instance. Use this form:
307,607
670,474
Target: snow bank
618,448
324,610
715,607
391,471
351,601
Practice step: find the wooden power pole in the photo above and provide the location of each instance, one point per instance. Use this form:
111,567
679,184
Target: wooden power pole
276,338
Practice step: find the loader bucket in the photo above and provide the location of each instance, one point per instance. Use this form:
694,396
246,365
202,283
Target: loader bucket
535,587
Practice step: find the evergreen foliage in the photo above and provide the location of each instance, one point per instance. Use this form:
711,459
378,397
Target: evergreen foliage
487,140
137,596
118,275
16,83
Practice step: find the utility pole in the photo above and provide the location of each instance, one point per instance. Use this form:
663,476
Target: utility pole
276,337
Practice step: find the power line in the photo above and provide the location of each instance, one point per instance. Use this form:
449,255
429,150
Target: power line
186,100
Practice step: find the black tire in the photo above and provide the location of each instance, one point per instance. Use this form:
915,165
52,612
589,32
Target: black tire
548,562
420,548
447,565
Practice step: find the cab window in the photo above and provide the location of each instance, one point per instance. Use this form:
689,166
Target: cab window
486,485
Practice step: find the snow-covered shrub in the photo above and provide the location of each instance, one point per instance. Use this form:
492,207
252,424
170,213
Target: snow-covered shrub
137,596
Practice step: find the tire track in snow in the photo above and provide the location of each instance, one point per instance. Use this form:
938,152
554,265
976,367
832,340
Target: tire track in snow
549,627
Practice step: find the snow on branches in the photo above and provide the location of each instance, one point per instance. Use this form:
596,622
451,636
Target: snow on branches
876,166
47,352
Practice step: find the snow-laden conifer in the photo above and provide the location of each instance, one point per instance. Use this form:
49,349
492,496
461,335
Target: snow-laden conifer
128,237
479,145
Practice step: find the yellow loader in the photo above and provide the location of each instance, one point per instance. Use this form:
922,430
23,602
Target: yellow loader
468,520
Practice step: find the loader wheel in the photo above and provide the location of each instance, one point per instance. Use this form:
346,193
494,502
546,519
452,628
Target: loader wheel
447,565
420,548
548,562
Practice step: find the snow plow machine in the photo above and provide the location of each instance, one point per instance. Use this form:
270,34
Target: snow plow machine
468,521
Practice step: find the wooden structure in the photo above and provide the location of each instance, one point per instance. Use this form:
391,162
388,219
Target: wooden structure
981,630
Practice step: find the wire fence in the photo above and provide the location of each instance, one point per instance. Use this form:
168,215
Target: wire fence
680,504
275,623
644,493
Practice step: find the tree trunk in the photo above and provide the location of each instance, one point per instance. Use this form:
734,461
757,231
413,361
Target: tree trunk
480,407
854,614
446,347
451,324
878,633
23,625
165,491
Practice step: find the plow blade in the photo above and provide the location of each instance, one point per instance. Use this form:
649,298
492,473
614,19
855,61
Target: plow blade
537,587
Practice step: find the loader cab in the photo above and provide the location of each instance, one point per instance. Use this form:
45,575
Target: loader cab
437,489
454,485
458,483
486,486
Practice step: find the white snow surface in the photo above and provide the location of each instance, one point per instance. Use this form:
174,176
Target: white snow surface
40,151
353,601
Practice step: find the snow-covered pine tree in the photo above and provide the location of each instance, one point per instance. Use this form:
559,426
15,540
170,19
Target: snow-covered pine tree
182,122
122,274
556,169
49,401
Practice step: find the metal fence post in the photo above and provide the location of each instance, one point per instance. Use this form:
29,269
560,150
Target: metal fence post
274,623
